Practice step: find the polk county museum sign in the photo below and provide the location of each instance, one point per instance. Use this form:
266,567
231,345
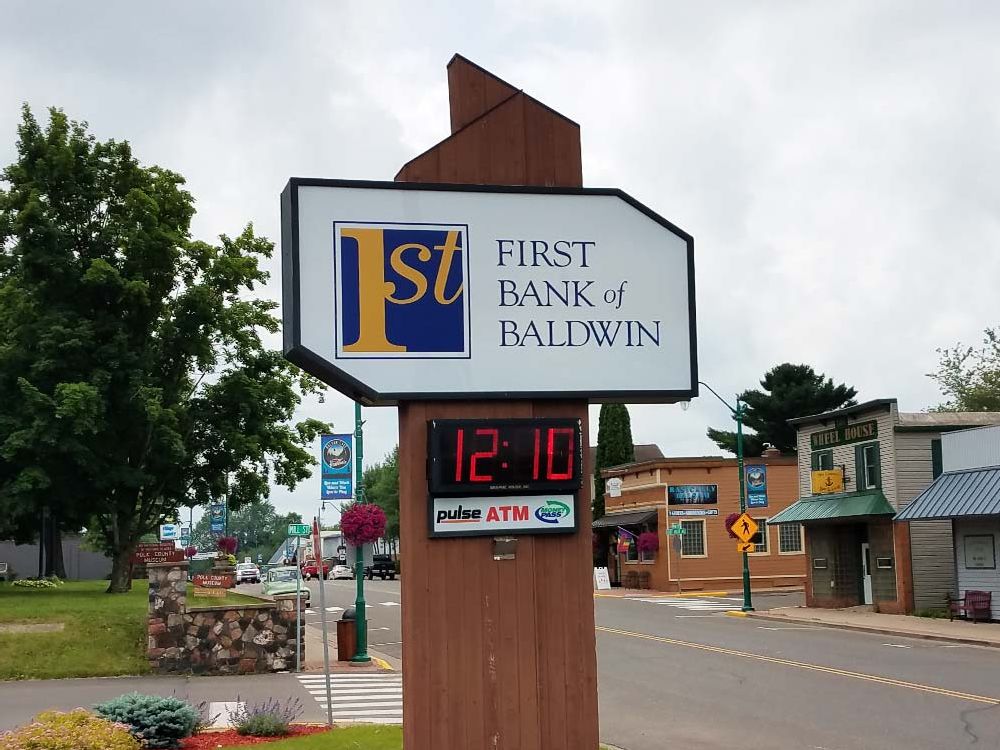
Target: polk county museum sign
400,291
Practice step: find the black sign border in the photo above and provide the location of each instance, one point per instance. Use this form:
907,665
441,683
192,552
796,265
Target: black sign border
353,388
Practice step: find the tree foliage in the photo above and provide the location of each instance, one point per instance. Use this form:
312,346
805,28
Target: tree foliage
614,447
382,488
134,378
969,377
789,391
258,528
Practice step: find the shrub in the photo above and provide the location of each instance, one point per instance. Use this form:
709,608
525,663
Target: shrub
268,719
156,721
74,730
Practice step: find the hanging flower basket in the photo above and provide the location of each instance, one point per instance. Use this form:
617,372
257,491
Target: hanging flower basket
648,542
730,522
362,523
226,545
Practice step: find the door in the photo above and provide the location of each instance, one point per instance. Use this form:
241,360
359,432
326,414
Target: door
866,573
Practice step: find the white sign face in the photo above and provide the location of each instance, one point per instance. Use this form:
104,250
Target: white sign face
170,532
396,291
602,581
614,486
482,516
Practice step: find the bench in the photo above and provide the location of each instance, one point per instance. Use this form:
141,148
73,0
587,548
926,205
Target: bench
974,604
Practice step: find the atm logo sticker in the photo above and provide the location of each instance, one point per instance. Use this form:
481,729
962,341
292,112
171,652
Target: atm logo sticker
402,290
553,512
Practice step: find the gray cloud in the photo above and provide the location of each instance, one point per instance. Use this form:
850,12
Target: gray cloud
836,162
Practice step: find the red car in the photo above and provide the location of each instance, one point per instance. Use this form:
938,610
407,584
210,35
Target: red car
310,569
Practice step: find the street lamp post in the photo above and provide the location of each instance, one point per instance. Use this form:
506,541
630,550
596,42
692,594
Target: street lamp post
360,618
738,414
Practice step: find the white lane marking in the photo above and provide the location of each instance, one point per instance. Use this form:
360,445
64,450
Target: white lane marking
389,604
761,627
378,628
310,611
334,609
896,645
375,697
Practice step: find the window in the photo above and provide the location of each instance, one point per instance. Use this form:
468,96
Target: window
868,467
759,540
822,460
789,538
647,557
937,462
633,550
693,539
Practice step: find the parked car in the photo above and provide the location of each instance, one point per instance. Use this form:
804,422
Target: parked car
247,573
342,571
310,569
382,566
283,579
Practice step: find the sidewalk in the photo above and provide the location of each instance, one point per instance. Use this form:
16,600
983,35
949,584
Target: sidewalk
622,593
314,654
959,631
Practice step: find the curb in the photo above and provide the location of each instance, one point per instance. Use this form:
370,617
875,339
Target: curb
869,629
738,613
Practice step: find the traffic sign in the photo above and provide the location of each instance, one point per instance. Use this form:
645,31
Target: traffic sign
745,546
677,530
745,527
299,529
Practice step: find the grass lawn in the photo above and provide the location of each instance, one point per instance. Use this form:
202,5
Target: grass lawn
104,634
348,738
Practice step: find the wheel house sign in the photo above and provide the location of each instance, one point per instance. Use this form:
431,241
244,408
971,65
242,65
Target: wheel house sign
405,291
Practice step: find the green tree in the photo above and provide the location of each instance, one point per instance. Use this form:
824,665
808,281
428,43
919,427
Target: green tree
614,447
382,488
257,527
969,377
133,375
789,391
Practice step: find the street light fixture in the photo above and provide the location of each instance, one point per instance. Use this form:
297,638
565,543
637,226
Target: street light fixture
738,414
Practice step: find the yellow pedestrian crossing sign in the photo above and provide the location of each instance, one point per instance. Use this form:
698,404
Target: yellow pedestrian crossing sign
745,528
745,546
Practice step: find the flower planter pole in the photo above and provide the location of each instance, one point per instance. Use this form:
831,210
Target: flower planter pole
360,617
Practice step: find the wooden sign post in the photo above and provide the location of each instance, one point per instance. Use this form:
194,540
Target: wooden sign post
491,297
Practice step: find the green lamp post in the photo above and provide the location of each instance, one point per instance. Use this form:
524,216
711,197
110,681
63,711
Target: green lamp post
360,617
738,414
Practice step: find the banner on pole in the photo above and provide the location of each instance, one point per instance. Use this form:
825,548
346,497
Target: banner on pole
336,457
217,518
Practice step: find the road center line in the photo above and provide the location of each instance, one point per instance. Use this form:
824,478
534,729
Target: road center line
811,667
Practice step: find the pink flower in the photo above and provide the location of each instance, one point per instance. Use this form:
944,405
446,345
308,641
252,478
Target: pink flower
362,523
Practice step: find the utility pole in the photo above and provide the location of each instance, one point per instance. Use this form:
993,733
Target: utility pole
360,617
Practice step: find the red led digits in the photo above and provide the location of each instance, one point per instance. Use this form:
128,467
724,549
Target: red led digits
474,476
550,473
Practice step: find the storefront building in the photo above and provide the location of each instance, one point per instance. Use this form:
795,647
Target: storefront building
858,467
696,495
966,496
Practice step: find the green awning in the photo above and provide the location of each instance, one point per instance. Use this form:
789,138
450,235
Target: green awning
834,507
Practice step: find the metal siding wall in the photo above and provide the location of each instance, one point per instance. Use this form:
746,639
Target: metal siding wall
80,564
971,449
979,580
932,554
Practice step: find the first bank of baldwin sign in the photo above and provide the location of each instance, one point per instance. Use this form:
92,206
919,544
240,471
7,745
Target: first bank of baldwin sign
397,291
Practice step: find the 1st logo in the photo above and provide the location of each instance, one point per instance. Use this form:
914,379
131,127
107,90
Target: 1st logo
401,290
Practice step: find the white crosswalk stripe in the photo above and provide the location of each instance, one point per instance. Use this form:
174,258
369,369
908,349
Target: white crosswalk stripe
690,604
373,697
390,604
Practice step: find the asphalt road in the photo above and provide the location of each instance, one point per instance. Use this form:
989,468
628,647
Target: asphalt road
681,673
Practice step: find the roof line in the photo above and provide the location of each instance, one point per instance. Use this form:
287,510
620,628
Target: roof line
823,416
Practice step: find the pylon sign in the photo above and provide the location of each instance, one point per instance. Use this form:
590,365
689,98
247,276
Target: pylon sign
408,291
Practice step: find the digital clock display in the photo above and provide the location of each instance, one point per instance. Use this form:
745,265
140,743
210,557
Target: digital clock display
503,456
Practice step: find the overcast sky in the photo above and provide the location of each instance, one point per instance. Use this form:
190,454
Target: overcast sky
837,163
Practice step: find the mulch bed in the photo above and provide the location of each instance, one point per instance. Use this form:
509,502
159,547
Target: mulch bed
230,738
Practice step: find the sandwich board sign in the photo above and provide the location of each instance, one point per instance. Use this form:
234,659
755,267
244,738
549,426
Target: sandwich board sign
397,291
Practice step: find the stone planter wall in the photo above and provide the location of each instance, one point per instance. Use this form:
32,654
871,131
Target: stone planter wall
217,640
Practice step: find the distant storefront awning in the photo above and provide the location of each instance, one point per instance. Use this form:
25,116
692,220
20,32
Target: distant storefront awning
957,494
834,507
630,518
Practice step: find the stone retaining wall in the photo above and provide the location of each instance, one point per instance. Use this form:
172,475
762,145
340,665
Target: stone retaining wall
217,640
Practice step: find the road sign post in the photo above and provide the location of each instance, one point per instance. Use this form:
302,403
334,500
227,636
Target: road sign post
450,301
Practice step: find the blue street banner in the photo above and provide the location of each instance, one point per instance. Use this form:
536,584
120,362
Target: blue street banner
337,461
217,519
756,479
